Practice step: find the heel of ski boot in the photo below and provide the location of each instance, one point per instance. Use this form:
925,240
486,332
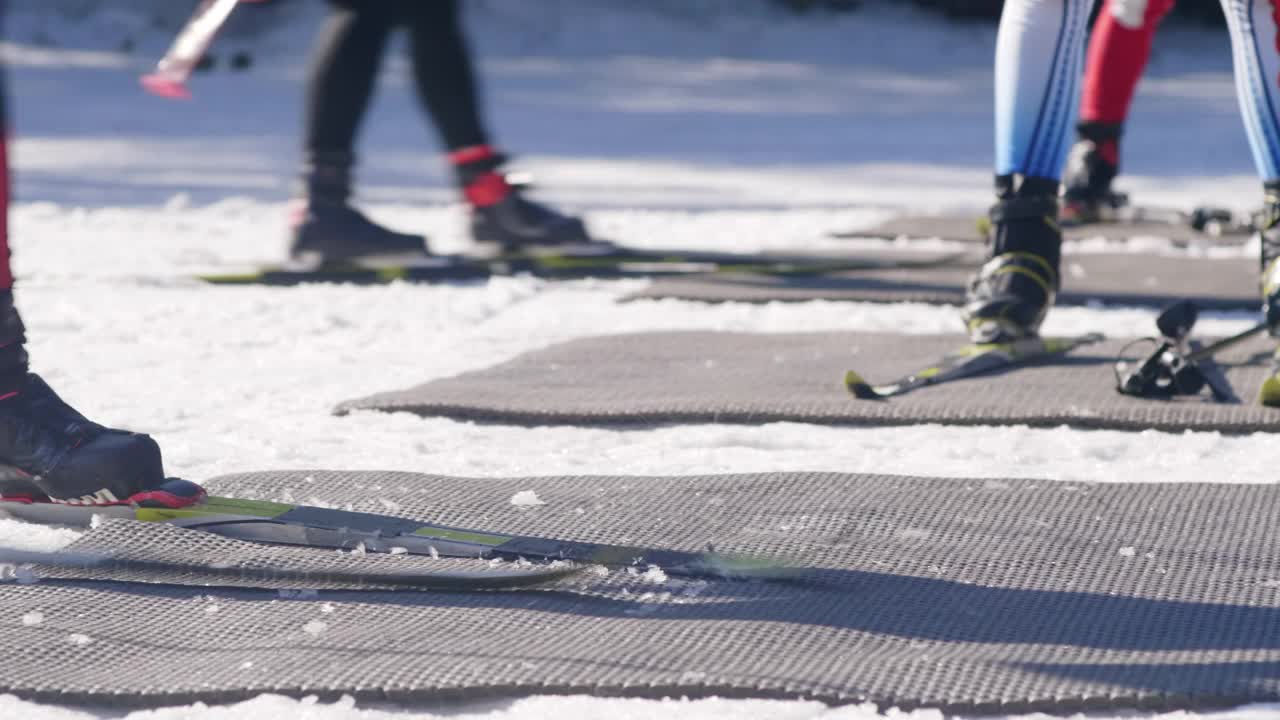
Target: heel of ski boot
1092,166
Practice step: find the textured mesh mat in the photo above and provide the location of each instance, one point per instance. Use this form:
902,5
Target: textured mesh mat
996,595
964,226
753,378
1120,279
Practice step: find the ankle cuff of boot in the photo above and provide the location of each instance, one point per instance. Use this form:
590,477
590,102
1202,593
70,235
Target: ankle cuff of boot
473,154
472,163
1023,208
1017,185
326,177
1098,131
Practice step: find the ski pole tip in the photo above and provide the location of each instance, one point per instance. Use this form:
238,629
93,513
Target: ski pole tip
165,87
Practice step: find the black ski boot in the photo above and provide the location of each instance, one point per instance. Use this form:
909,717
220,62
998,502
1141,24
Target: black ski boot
1091,167
503,220
50,452
1010,294
327,231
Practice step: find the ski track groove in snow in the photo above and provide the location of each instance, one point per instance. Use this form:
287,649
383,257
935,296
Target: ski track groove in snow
752,137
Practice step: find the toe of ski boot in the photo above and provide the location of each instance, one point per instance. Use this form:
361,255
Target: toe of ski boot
108,468
516,223
172,493
340,235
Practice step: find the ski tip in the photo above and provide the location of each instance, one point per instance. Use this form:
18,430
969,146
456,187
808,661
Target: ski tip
1269,393
165,87
860,388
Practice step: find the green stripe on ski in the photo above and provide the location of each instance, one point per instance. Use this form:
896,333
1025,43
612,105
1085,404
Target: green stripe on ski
1042,346
462,535
213,507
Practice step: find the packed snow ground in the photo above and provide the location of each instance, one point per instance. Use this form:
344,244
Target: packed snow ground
749,132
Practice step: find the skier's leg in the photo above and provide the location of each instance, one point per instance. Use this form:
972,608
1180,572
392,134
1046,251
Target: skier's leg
502,218
343,72
1118,53
1038,58
445,78
47,449
1038,65
1256,57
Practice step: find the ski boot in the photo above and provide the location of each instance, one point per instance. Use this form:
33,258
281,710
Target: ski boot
327,232
1092,165
1268,224
50,452
1011,293
503,220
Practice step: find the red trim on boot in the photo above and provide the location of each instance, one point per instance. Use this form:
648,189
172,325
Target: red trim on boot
296,212
473,153
24,499
146,498
1110,151
161,498
487,189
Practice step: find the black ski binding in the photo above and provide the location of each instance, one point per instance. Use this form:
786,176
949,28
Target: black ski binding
1211,220
1176,367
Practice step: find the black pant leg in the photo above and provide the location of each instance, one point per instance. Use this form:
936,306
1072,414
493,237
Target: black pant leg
443,72
344,70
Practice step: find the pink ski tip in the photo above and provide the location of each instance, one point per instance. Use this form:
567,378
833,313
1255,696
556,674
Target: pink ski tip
157,84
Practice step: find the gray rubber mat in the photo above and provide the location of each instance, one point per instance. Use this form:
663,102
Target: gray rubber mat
713,377
1114,279
969,595
965,227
